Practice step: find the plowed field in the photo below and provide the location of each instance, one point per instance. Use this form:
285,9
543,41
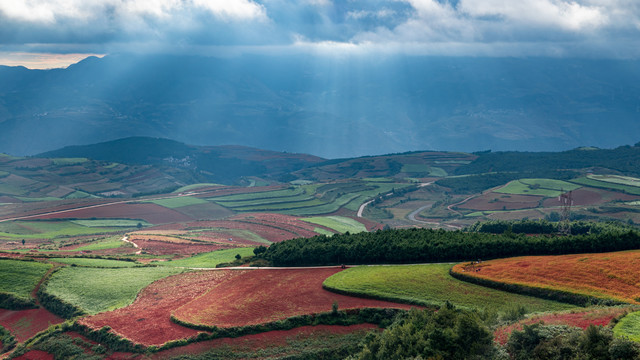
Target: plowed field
605,275
23,324
147,321
261,296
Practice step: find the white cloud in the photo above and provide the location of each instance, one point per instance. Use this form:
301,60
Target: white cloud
562,14
51,11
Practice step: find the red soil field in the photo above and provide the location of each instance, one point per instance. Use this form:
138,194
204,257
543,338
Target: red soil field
592,196
154,247
261,296
496,201
582,319
149,212
264,340
606,275
35,355
147,321
24,324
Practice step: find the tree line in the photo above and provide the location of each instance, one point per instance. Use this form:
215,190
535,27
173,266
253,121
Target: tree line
396,246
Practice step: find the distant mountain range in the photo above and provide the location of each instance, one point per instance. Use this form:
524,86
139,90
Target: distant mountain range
339,108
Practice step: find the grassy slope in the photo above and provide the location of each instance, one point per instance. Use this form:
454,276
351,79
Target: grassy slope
95,262
98,290
545,187
20,277
338,223
177,202
629,326
430,284
211,259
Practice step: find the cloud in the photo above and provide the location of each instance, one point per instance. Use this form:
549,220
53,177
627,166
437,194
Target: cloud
595,28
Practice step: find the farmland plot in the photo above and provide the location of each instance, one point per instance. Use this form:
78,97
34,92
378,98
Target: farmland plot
603,275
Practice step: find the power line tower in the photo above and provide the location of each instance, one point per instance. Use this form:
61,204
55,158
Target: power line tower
566,200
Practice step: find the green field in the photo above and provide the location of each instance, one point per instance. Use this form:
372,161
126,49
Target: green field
629,326
210,259
338,223
111,223
430,285
607,185
110,243
21,277
617,179
181,201
47,229
195,186
538,187
95,262
97,290
415,168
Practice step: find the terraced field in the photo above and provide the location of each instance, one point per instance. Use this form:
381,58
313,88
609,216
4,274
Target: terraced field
96,290
604,275
429,285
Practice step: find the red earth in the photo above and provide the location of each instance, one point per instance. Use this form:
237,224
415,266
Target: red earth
262,296
24,324
264,340
154,247
582,319
591,196
495,201
147,321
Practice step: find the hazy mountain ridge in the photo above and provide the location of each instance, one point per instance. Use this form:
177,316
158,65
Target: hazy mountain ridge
337,109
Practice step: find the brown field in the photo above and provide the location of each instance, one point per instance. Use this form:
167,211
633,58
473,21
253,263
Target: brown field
592,196
496,201
24,324
261,296
155,247
147,321
605,275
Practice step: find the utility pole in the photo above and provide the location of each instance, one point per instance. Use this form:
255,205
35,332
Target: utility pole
564,225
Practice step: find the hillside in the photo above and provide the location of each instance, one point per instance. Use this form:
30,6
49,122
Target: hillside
301,105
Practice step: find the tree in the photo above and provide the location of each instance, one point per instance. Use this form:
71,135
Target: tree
238,257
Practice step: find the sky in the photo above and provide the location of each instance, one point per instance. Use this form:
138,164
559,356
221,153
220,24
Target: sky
56,33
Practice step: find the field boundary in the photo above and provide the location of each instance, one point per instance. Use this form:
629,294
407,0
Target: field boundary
544,293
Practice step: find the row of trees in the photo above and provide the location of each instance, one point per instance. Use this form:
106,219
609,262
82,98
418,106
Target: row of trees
427,245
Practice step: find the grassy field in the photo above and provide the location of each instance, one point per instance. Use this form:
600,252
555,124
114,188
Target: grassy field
47,229
195,186
338,223
98,290
617,179
634,190
272,194
20,277
209,260
95,262
111,223
109,243
629,326
430,285
177,202
539,187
